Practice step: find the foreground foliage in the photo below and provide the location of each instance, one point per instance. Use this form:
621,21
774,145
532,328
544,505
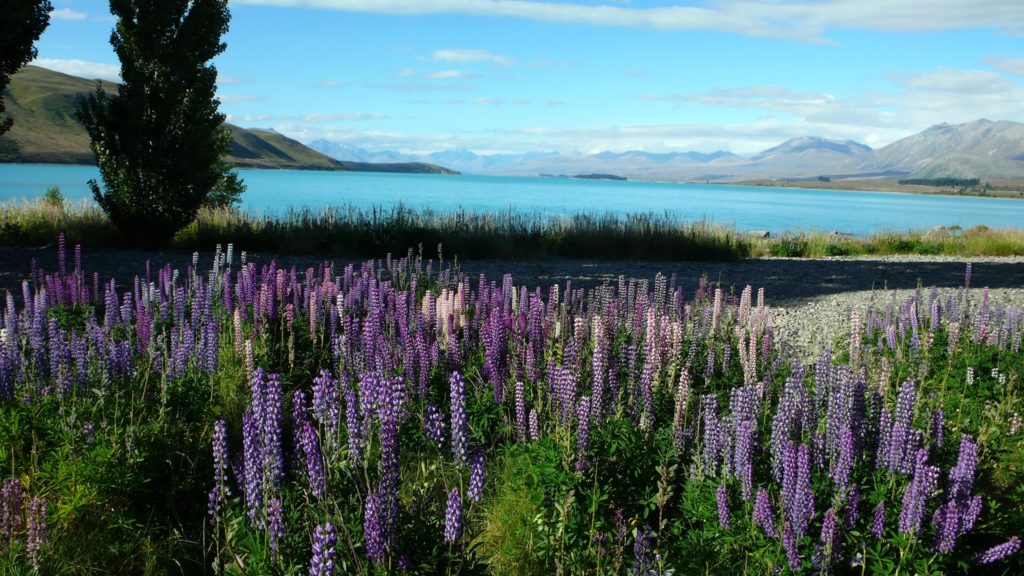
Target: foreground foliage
399,417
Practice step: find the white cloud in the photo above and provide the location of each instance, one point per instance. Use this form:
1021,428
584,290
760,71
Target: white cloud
67,14
315,118
329,84
467,56
229,80
450,75
81,68
1012,66
875,118
765,18
406,73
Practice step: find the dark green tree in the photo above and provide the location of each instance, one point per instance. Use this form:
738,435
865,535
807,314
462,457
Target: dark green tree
160,141
21,24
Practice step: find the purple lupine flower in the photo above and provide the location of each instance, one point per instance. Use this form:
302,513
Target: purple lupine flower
326,405
961,476
520,407
722,500
764,516
901,449
36,529
828,541
314,461
970,515
373,530
534,425
842,467
647,394
802,505
916,495
252,449
852,512
476,476
453,517
434,424
878,521
642,551
11,502
1000,552
938,417
789,544
275,524
582,433
946,522
323,553
743,467
459,428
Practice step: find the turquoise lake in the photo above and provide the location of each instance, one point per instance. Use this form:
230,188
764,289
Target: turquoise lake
745,207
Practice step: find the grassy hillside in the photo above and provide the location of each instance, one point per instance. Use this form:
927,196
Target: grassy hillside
42,103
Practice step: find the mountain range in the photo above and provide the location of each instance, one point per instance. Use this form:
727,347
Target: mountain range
980,149
43,102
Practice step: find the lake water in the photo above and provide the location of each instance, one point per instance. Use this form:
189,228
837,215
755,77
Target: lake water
745,207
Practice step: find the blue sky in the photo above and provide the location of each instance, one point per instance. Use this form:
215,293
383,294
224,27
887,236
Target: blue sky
505,76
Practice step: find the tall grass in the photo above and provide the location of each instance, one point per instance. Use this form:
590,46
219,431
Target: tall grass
352,232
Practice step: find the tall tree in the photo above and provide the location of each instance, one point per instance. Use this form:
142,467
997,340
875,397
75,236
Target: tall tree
21,24
160,141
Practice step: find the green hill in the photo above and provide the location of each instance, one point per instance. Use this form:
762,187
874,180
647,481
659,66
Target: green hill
42,103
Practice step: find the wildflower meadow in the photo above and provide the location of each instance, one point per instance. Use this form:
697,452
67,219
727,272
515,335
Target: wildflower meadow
400,417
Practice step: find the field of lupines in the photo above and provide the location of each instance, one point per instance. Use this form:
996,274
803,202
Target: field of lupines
400,417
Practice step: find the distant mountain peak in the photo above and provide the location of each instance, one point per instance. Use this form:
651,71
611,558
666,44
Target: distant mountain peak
803,144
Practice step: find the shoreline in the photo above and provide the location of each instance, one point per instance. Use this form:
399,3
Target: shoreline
1008,189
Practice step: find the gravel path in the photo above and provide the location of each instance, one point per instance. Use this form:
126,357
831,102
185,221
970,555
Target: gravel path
811,299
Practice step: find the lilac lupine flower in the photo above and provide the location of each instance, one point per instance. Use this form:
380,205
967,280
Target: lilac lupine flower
353,423
36,529
878,521
901,455
314,461
453,517
476,476
520,407
1000,552
323,553
534,425
434,424
582,433
459,427
647,394
220,462
722,500
712,434
373,530
764,516
789,544
275,524
300,414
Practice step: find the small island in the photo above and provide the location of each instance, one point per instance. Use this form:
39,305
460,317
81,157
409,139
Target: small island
600,177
